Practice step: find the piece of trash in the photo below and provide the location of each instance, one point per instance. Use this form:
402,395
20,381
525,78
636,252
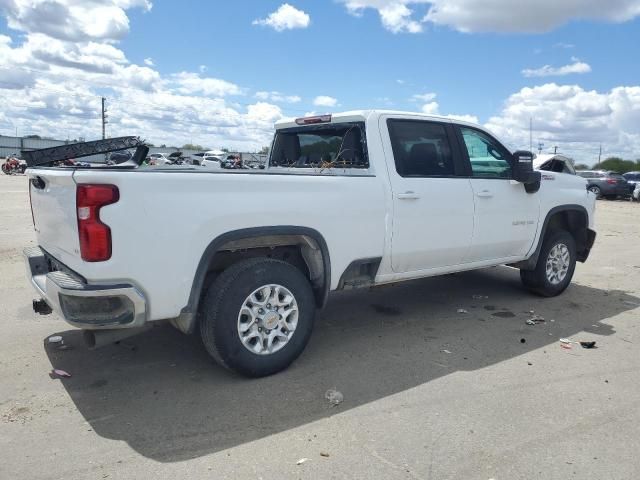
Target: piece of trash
552,320
445,351
588,344
522,340
565,340
56,372
462,310
55,339
480,297
324,454
529,363
301,461
334,397
566,346
535,320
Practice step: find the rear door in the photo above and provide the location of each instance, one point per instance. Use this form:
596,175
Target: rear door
506,216
432,204
53,202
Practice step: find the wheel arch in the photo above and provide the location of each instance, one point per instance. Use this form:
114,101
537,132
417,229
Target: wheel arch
311,244
574,219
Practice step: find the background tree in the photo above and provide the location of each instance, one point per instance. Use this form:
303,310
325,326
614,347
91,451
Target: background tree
191,146
618,164
581,166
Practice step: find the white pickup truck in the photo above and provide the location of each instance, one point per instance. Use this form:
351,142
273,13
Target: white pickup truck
246,257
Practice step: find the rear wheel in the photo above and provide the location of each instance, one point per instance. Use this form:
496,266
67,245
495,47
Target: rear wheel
258,316
555,267
595,189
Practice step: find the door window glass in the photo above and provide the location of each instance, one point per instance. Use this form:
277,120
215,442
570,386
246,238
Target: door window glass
488,158
421,149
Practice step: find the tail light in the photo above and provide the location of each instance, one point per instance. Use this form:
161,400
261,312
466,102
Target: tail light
611,181
95,236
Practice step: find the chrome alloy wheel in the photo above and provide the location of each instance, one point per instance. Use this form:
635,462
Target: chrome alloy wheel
558,262
268,319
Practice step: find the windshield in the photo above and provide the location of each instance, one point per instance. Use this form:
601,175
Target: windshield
339,145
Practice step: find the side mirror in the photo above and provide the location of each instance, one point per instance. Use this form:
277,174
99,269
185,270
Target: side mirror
523,171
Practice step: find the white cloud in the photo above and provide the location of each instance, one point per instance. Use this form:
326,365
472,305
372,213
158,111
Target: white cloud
325,101
575,119
52,78
548,71
431,108
423,97
149,62
286,17
277,97
191,83
531,16
566,46
72,20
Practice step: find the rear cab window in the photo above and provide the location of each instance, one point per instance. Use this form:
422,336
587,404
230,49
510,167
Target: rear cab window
339,145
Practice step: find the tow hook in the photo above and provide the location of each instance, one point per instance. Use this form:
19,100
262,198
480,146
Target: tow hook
41,307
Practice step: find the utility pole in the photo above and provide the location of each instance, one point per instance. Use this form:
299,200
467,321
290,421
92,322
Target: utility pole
600,154
104,117
555,149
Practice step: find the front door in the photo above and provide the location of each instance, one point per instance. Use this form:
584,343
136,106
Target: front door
506,216
432,205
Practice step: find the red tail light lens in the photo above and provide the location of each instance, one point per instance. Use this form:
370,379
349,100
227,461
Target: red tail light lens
95,236
611,181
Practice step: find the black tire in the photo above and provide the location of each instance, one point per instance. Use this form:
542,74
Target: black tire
222,303
537,280
595,189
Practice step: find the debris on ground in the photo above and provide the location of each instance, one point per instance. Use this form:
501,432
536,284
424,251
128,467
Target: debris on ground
58,373
567,344
588,344
529,363
324,454
55,339
334,397
480,297
462,310
301,461
536,319
445,351
522,340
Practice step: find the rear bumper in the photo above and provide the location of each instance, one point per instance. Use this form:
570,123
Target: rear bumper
83,305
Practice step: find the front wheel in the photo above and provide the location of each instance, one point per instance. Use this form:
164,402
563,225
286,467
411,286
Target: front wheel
257,316
555,267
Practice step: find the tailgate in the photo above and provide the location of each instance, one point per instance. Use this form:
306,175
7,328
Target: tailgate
53,202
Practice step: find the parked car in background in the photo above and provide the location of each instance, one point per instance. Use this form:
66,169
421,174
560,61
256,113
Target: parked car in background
158,159
633,178
211,161
606,184
554,163
636,193
116,158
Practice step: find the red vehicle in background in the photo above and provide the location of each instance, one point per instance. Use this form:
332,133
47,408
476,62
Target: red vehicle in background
14,165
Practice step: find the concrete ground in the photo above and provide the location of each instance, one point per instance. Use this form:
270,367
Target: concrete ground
429,393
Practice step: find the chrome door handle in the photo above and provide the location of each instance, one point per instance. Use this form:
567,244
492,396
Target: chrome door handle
484,194
408,196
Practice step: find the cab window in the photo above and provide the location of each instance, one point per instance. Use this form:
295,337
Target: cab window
488,158
420,148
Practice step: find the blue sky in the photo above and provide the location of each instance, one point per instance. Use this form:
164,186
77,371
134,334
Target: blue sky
207,71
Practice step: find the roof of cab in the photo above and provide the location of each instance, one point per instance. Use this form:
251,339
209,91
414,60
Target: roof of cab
361,115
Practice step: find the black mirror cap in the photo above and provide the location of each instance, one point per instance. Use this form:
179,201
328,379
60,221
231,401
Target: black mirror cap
523,171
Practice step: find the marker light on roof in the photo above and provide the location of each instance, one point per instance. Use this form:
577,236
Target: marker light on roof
312,120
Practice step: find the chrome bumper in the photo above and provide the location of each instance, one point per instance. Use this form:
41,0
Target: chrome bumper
82,305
